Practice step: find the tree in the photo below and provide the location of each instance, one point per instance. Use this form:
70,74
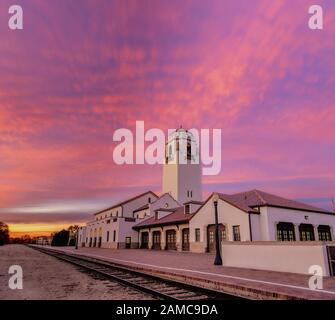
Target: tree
73,230
72,236
4,233
60,239
26,239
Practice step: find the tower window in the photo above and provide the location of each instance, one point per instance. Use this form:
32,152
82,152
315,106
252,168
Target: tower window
189,149
149,200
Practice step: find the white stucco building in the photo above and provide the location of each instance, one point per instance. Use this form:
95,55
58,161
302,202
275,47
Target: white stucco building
259,216
180,220
112,227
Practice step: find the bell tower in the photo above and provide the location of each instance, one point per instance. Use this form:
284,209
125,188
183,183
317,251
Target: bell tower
182,169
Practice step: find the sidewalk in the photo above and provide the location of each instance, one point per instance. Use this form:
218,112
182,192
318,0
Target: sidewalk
199,269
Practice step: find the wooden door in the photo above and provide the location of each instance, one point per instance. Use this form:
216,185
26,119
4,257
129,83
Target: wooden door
128,242
186,239
171,240
156,240
211,236
145,240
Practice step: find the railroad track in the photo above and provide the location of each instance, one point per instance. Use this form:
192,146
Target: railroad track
153,285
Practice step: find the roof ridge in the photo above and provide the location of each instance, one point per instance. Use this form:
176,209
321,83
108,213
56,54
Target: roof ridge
120,204
257,192
164,194
161,220
306,206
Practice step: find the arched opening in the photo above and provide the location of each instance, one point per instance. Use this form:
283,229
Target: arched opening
144,240
171,240
211,236
156,240
306,232
285,231
186,239
324,233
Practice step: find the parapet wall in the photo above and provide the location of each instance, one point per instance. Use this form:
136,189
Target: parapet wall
295,257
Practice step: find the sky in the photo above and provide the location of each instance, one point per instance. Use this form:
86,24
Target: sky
79,70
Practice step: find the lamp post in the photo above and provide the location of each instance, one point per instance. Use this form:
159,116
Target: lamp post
76,247
218,259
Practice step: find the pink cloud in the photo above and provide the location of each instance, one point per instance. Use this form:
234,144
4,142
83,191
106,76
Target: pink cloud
77,73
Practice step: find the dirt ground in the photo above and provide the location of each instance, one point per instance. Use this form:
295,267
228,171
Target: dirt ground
47,278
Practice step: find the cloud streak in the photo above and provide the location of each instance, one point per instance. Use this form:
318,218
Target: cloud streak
77,72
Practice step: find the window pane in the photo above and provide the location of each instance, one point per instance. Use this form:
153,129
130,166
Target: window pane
197,235
285,231
211,236
236,233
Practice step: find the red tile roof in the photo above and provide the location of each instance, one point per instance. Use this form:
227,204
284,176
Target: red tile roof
247,201
238,203
176,217
126,201
252,199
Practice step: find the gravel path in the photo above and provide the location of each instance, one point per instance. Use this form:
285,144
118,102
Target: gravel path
47,278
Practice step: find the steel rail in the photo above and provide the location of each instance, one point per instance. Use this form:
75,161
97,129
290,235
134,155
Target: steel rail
146,283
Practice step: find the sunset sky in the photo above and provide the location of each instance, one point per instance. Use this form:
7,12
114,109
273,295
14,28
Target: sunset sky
81,69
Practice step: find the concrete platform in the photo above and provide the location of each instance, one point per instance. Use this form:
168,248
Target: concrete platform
198,269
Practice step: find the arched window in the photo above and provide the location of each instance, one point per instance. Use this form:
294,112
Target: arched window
285,231
324,233
306,232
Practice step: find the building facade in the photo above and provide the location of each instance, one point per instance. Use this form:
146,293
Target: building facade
180,220
113,227
255,216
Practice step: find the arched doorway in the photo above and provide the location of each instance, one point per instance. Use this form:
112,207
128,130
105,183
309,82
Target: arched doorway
211,236
100,238
186,239
128,243
156,240
171,240
144,240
